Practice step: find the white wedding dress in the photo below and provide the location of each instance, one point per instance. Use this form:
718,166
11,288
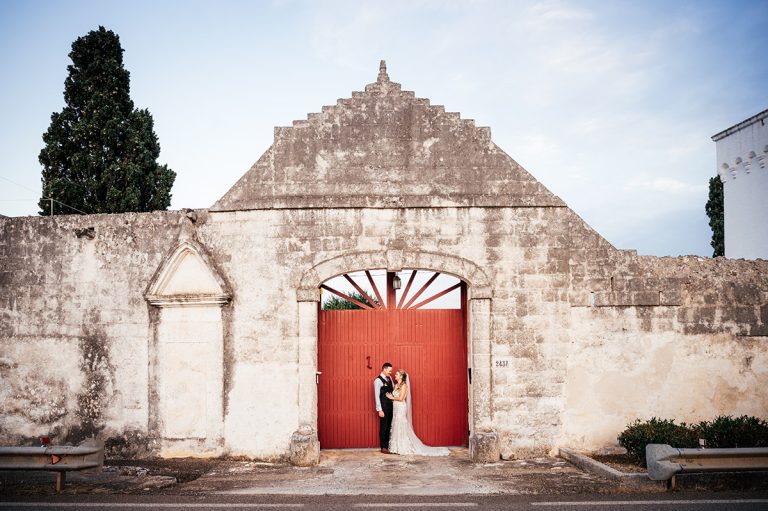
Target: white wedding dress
402,438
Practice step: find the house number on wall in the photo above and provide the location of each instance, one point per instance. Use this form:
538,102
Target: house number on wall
501,363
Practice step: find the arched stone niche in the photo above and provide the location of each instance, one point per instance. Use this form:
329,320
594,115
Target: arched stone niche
484,441
187,364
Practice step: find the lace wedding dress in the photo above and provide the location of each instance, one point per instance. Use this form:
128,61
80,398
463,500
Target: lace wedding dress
402,438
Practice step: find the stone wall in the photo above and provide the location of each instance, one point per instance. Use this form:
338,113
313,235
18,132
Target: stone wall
683,338
131,326
74,324
584,338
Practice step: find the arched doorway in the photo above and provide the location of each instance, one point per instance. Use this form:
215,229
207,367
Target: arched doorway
414,319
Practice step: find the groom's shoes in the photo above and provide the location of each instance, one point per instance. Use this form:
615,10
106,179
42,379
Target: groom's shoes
385,451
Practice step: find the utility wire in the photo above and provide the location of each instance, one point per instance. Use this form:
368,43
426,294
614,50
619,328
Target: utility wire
44,197
18,184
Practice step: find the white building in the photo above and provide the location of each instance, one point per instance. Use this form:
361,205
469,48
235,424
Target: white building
742,151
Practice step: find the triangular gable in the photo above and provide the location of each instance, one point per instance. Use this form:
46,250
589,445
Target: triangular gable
384,148
187,277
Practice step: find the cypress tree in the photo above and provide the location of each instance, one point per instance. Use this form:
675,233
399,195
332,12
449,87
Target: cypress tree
716,213
100,153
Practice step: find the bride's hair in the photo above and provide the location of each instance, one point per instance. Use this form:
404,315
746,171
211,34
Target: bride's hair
403,375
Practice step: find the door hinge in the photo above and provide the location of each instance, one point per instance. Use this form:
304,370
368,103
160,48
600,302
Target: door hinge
469,372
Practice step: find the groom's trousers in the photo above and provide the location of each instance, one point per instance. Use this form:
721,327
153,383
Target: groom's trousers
385,426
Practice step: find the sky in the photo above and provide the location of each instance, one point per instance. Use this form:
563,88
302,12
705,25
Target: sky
610,104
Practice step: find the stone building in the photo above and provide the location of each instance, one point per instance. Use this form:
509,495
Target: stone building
742,151
195,332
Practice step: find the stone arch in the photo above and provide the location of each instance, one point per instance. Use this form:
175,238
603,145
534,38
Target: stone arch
484,441
394,260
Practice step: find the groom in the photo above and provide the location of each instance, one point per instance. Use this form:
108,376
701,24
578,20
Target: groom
381,386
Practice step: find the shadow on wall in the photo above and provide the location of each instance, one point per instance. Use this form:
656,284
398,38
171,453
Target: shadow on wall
98,382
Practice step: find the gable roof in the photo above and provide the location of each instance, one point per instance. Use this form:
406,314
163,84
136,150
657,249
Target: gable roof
383,148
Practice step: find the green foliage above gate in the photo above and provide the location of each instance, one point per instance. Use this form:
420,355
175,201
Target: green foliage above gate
338,303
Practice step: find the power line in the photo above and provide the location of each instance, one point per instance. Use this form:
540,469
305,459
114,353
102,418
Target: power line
44,197
66,205
18,184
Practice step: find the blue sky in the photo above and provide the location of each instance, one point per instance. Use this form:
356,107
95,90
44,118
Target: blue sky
609,104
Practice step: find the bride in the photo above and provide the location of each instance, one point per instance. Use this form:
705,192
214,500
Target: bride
402,439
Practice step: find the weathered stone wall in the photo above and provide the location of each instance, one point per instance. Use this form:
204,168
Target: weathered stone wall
74,325
77,361
130,326
683,338
265,254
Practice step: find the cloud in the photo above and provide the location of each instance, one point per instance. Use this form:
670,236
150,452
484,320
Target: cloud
666,185
557,12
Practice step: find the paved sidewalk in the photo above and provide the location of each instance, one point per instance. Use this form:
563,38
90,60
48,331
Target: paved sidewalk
340,472
368,472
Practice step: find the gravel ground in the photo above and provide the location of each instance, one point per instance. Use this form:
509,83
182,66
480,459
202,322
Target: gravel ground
620,462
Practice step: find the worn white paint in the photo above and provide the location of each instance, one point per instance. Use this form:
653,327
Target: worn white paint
620,377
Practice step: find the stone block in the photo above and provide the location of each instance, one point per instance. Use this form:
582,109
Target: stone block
307,295
746,315
645,298
305,447
669,297
484,447
612,299
483,292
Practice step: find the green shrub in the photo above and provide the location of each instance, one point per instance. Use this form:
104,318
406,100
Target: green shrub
722,432
655,431
727,431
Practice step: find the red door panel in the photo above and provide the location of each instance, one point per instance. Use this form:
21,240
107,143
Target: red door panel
430,344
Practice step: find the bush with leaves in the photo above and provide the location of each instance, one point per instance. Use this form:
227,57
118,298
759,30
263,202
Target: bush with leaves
655,431
338,303
722,432
728,432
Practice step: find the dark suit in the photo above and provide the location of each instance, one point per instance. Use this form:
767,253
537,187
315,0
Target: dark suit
385,423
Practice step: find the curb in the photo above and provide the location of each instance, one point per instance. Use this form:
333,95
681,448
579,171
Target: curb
595,467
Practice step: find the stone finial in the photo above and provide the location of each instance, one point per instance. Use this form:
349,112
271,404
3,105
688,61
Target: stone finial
383,76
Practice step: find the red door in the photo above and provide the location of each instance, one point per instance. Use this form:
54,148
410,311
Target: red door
430,344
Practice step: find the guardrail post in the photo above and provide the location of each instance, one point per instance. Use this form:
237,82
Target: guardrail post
657,457
665,462
88,458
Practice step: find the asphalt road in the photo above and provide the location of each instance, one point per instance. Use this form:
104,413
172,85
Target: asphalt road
751,501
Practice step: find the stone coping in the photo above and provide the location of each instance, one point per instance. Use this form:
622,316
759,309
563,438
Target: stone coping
588,464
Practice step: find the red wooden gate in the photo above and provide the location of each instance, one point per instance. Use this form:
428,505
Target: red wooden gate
430,344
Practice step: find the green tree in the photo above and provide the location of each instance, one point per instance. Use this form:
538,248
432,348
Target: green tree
100,153
338,303
715,212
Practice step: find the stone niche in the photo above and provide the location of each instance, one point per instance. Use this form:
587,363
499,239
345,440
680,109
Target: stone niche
187,369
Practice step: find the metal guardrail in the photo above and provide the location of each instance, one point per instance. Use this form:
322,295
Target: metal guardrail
665,462
54,458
